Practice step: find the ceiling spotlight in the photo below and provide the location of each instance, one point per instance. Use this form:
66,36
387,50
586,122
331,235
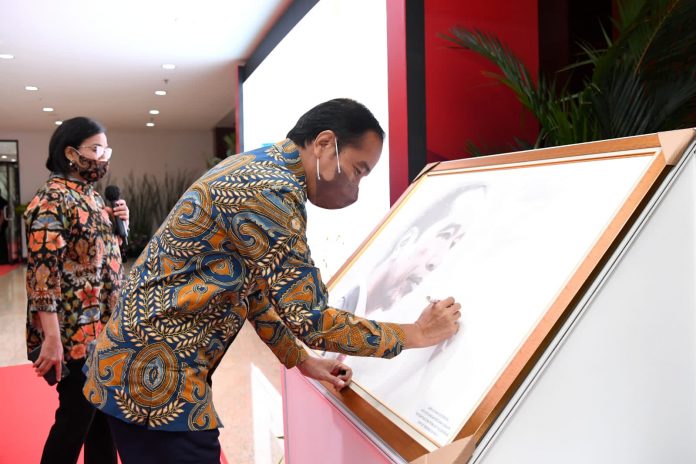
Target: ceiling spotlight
168,66
160,92
150,124
31,88
6,56
48,109
58,123
3,157
154,111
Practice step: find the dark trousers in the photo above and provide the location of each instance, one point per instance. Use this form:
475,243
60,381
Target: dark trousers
137,444
77,423
4,249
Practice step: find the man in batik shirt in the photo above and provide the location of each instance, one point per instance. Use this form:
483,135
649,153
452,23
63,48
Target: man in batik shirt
234,248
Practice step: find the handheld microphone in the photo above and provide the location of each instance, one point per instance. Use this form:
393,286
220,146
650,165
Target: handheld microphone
112,193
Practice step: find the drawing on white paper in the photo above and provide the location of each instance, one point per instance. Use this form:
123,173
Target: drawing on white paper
503,242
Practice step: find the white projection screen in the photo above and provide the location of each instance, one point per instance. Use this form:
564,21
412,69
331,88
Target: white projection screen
513,243
339,49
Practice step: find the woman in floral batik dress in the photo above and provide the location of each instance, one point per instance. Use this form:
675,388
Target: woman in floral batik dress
73,280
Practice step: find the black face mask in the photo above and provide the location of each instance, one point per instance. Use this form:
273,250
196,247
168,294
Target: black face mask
89,169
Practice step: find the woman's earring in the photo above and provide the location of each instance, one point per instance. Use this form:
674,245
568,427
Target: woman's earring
318,176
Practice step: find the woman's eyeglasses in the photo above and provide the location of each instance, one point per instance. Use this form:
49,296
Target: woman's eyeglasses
103,153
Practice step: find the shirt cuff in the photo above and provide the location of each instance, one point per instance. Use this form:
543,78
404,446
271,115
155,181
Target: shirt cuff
44,306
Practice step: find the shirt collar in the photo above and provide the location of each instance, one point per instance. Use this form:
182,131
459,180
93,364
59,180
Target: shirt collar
71,182
293,161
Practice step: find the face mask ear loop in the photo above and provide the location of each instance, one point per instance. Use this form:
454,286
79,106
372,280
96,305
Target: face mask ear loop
338,161
318,176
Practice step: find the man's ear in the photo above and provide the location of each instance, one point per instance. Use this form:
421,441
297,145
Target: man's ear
407,240
324,143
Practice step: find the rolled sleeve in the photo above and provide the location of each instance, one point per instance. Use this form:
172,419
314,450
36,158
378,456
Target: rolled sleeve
46,247
301,298
302,303
272,330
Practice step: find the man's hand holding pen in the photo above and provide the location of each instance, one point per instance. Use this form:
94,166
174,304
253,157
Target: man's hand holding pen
438,322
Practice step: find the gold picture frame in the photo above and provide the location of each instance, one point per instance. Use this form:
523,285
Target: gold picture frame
651,157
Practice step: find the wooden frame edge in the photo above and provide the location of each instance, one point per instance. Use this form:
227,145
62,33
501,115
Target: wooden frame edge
457,452
674,143
649,141
429,167
381,425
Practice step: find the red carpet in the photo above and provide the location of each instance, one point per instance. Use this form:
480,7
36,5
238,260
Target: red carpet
28,405
5,268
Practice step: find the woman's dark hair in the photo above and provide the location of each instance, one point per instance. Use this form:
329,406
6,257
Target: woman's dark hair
70,134
348,119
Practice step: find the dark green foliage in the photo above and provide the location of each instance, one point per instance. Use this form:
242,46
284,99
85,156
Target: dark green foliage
150,199
643,81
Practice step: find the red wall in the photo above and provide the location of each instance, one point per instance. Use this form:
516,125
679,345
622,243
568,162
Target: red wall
461,103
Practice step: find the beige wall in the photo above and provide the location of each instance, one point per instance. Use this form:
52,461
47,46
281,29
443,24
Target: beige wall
149,151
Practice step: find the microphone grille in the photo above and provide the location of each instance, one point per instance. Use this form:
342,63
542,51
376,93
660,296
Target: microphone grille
112,193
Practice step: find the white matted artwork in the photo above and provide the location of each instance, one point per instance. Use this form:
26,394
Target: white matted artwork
504,242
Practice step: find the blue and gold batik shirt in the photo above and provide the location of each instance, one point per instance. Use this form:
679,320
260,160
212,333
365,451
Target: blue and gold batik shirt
233,248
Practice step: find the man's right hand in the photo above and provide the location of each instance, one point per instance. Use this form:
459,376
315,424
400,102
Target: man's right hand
438,322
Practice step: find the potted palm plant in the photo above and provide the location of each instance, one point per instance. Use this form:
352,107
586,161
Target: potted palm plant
643,81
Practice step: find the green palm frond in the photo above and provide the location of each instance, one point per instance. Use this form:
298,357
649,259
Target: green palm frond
169,190
644,81
557,116
149,201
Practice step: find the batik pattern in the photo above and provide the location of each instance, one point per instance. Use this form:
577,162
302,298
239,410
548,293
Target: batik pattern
73,263
233,248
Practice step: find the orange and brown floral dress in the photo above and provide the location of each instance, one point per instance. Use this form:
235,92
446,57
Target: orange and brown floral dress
74,263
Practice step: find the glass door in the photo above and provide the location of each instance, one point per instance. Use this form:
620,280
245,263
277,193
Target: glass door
10,220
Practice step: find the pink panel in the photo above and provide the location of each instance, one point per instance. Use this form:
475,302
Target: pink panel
316,432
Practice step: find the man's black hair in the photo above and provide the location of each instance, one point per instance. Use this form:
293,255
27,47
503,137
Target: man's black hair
69,134
348,119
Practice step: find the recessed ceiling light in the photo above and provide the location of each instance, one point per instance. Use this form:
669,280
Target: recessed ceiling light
160,92
3,157
168,66
150,124
6,56
58,123
48,109
31,88
154,111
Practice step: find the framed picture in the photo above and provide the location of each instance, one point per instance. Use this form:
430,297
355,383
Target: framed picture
514,238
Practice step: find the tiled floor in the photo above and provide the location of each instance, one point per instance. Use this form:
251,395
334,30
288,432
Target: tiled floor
252,417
